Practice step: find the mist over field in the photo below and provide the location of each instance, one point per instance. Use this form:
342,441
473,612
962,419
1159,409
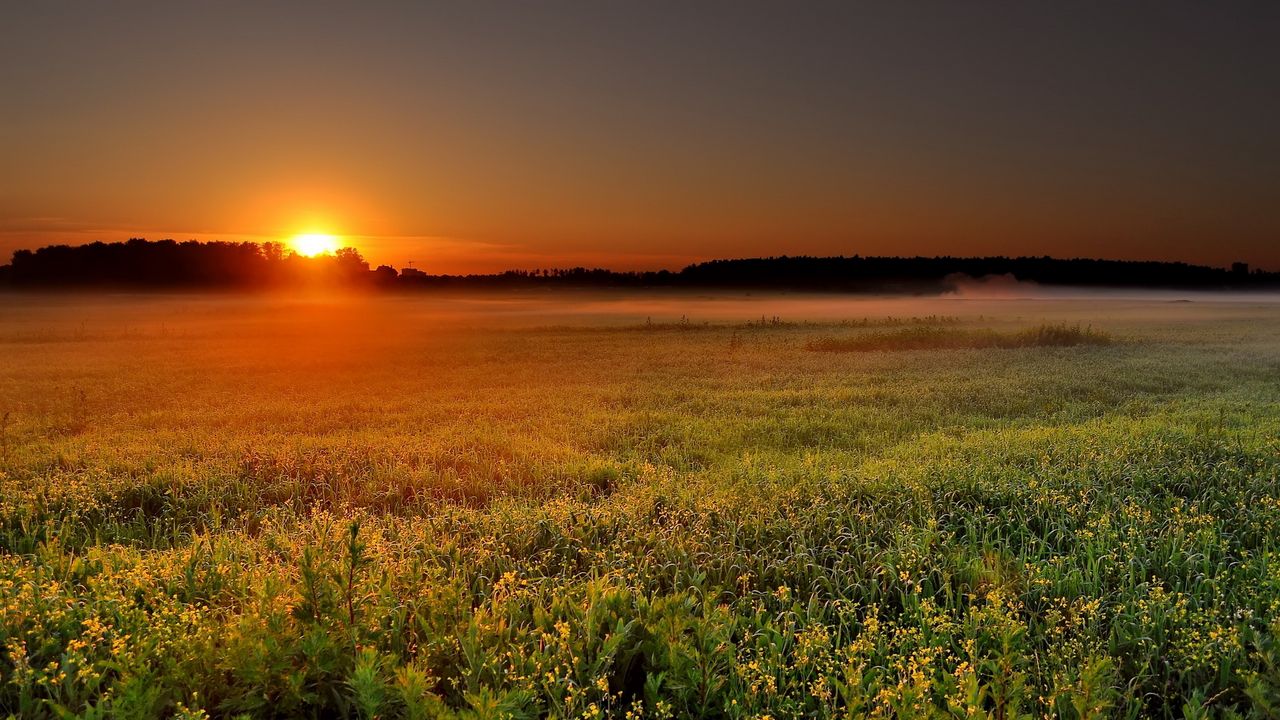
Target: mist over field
364,313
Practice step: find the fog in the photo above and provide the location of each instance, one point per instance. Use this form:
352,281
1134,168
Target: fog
988,299
304,340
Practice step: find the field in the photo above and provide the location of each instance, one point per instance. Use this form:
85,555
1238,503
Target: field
657,507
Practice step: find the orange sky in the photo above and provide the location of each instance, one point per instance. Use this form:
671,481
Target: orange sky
484,138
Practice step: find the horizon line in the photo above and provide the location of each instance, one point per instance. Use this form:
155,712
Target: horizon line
709,259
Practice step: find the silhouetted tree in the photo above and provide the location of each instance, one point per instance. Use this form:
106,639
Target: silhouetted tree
351,262
170,264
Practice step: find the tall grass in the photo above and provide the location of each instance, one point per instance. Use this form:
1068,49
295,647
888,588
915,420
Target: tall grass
944,338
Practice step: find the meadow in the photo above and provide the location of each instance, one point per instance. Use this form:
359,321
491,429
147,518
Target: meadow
660,506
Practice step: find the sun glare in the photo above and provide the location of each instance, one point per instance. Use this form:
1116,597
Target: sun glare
313,244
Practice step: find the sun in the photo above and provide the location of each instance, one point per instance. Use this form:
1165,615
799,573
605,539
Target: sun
313,244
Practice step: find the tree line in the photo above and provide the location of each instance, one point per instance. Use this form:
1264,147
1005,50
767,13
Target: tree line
167,264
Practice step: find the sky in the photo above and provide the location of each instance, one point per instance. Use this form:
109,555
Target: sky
478,136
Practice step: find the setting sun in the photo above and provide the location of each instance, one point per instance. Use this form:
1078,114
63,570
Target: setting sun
313,244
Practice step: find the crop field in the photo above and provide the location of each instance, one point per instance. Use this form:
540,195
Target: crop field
642,507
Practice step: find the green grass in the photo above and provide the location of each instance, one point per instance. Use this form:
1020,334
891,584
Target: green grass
382,508
942,338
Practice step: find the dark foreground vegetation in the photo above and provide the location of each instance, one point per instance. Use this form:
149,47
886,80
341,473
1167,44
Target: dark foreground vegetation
209,265
924,337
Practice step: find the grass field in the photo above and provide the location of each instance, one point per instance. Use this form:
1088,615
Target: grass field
647,507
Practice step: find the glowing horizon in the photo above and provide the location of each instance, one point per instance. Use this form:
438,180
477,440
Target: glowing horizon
488,137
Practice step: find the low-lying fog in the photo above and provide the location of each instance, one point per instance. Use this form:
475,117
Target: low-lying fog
733,307
89,313
43,333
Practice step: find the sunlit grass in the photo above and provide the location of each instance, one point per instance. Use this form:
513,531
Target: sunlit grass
337,510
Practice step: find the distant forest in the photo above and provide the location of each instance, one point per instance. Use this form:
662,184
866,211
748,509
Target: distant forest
166,264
